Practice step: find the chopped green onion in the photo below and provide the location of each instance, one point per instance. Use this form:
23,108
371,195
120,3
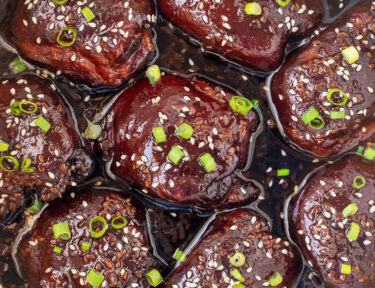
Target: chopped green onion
350,54
120,225
310,115
175,155
283,3
15,109
283,172
61,231
26,166
359,182
369,153
159,134
346,269
337,115
28,103
85,246
253,8
9,159
42,124
63,43
350,210
255,102
4,146
57,250
207,162
35,208
276,279
317,123
89,15
240,105
185,131
18,65
238,259
59,2
353,232
154,278
360,150
153,74
93,131
342,96
179,255
100,233
239,285
236,274
95,278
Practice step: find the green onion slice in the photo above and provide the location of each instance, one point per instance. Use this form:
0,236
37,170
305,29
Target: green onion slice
15,109
93,131
100,233
59,2
67,29
255,102
153,74
283,172
253,8
240,105
317,123
61,231
28,104
26,166
334,115
18,65
207,162
238,259
360,150
95,278
85,246
236,274
4,146
57,249
276,279
120,225
8,159
350,210
353,231
350,54
359,182
185,131
346,269
42,124
239,285
89,15
283,3
159,134
337,97
175,155
179,255
35,208
154,278
369,153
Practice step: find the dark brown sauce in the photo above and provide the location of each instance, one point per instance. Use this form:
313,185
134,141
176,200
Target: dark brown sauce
171,227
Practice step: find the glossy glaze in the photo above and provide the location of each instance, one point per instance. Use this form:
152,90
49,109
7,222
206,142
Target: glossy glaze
56,155
257,42
123,256
240,231
320,228
109,50
309,73
217,130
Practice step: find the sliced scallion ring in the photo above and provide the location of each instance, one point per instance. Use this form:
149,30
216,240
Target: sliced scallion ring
185,131
175,155
236,274
28,104
4,146
240,105
346,269
276,279
61,231
159,134
313,119
283,3
93,131
360,150
26,166
350,54
35,208
18,65
359,182
179,255
8,159
87,12
153,74
238,259
66,29
239,285
59,2
207,162
253,8
122,224
369,153
350,210
283,172
154,278
57,250
15,109
95,278
42,124
317,123
353,231
85,246
335,115
332,97
101,232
